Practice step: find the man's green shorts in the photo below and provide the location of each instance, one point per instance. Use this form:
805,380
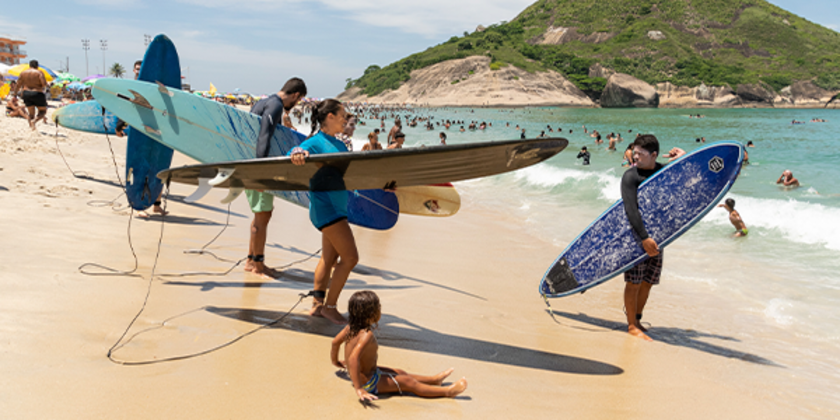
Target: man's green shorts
260,201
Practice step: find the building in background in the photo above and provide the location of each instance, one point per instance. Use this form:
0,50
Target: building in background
10,52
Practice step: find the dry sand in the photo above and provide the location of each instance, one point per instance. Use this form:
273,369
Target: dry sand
457,292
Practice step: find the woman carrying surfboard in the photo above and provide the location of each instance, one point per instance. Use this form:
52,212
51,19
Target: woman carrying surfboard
328,210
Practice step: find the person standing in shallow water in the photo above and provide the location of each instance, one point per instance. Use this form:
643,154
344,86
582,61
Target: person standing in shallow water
328,210
641,278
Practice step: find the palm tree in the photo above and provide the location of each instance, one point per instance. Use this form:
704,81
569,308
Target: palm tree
116,70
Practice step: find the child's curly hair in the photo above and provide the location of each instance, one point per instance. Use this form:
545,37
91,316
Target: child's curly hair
364,308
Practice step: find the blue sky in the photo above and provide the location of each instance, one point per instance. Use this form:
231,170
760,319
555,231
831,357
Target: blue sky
255,45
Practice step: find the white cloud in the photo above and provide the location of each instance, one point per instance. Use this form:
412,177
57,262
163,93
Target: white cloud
429,18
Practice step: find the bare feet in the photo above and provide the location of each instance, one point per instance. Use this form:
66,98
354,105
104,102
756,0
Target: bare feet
636,332
330,312
316,308
457,388
440,377
259,268
159,210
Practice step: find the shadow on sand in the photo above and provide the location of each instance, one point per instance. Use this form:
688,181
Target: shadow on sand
179,220
180,199
386,275
675,337
400,333
293,279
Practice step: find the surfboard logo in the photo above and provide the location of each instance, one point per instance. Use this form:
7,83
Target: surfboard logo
716,164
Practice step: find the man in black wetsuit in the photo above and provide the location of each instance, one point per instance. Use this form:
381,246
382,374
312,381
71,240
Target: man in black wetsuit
640,279
584,154
271,110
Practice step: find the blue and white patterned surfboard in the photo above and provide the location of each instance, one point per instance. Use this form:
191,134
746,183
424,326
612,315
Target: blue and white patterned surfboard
209,132
671,202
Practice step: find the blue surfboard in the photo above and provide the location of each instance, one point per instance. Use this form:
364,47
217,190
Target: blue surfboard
210,132
86,116
671,202
145,157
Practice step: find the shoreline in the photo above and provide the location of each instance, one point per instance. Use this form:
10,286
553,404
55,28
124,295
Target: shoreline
457,292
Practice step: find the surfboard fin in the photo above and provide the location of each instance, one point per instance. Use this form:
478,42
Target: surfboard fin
223,175
232,194
162,89
203,188
138,100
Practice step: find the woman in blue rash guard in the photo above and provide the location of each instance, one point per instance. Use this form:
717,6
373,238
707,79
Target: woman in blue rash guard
328,209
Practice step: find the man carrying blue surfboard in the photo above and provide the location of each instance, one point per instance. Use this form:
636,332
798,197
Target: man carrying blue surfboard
640,278
271,111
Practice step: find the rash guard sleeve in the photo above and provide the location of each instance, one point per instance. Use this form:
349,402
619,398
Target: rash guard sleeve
271,111
630,194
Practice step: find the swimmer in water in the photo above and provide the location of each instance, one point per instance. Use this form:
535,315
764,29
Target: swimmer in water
788,180
735,218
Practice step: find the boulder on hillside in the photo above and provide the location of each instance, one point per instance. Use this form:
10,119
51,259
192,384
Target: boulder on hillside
755,92
656,35
626,91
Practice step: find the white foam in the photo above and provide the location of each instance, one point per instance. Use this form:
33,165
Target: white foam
776,309
546,176
803,222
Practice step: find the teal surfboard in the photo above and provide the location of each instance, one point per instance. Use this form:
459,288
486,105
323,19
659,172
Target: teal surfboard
209,132
86,116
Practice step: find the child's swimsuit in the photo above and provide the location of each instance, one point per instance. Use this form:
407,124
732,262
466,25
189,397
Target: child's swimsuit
328,196
372,385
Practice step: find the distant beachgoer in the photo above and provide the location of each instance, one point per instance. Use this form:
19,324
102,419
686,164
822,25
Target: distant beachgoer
399,139
462,129
15,109
628,156
347,135
788,180
584,154
735,217
361,353
394,130
613,141
640,278
271,110
443,138
542,135
702,139
373,143
750,144
522,136
33,84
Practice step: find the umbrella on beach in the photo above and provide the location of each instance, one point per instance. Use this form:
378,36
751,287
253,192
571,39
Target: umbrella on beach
67,77
94,77
4,68
75,86
20,68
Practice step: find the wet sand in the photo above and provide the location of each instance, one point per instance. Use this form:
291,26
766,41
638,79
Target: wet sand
456,292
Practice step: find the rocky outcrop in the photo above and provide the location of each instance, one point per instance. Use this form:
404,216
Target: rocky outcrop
702,96
625,91
656,35
803,94
755,92
470,82
558,35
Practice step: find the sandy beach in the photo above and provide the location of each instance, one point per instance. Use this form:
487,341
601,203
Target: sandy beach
457,292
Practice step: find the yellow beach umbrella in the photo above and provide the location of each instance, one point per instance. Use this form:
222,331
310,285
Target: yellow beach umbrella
20,68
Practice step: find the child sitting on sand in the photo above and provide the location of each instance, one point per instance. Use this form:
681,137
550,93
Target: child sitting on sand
361,353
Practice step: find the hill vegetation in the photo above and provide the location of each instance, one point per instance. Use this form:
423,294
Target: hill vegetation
685,42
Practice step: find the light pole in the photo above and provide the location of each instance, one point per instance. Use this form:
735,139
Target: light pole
147,38
86,47
103,44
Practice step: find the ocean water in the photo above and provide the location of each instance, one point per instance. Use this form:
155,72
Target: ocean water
775,292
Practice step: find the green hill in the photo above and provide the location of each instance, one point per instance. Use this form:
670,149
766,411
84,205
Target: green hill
716,42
